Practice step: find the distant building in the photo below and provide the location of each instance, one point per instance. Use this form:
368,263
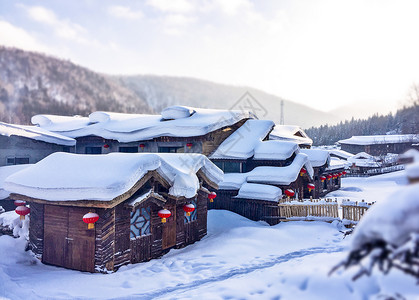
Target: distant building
29,144
377,145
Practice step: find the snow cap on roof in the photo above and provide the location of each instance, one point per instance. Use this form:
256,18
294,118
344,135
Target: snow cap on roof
137,127
317,157
381,139
5,172
241,144
291,133
35,133
340,153
70,177
259,192
275,150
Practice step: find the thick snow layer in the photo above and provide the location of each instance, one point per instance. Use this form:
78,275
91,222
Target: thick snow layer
340,153
128,128
64,176
363,159
241,144
275,150
381,139
5,172
411,153
259,192
268,175
336,163
317,157
291,133
391,220
281,175
11,220
177,112
35,133
412,170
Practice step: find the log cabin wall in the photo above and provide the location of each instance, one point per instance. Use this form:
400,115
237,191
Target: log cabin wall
105,240
122,236
223,200
36,232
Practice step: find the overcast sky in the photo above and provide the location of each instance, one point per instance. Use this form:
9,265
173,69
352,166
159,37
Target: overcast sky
323,53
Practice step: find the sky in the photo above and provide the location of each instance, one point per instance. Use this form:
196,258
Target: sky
322,53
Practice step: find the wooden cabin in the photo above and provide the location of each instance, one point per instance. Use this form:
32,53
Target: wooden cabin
379,145
29,144
126,191
177,129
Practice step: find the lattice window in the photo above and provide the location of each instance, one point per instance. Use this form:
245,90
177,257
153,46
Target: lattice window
140,222
192,217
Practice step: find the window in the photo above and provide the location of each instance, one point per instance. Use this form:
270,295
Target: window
229,166
17,160
140,222
171,149
93,150
192,217
128,149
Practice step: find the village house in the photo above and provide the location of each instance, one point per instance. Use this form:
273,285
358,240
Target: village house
142,204
379,145
21,144
178,129
291,133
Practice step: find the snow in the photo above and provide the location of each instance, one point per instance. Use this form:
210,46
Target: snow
340,153
104,177
412,153
275,150
35,133
177,112
291,133
241,144
12,220
238,259
317,157
391,220
259,192
129,127
5,172
336,163
363,159
412,171
381,139
268,175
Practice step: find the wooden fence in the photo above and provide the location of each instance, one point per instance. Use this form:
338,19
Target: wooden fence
323,209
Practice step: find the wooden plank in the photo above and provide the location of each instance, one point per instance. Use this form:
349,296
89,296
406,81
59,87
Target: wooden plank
169,229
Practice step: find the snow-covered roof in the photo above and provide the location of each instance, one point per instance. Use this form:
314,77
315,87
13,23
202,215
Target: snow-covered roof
259,192
35,133
336,163
291,133
390,221
275,150
411,153
5,172
317,157
340,153
381,139
360,155
176,121
70,177
269,175
363,159
241,144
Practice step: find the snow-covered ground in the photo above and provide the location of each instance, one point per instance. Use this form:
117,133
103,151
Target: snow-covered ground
238,259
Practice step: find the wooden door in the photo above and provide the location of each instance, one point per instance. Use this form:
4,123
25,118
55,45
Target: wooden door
67,241
169,229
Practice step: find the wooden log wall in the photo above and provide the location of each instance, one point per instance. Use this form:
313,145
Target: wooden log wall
122,235
36,232
105,240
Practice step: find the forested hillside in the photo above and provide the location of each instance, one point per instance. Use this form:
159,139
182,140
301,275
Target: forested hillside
405,120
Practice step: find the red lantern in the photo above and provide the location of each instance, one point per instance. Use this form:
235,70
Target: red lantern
19,202
289,193
303,171
90,218
188,208
329,176
344,172
189,145
212,196
164,214
106,146
310,187
322,178
340,174
22,211
142,146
